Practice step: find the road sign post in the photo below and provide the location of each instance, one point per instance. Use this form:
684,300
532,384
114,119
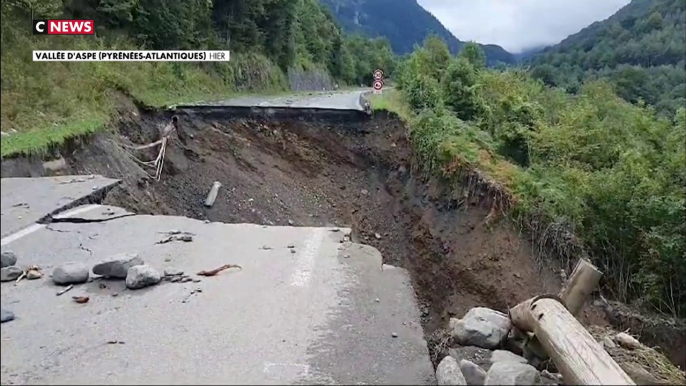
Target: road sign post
378,81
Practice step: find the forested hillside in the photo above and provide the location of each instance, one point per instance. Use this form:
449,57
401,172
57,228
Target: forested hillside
641,49
267,38
404,23
587,174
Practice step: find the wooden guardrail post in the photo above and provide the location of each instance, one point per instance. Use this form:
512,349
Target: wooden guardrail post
576,354
579,358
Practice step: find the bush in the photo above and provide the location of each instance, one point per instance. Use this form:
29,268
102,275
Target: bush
423,92
593,173
460,89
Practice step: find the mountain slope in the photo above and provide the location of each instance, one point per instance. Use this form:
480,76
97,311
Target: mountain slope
404,23
641,49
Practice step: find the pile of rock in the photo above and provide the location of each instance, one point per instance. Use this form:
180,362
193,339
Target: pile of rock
491,330
128,267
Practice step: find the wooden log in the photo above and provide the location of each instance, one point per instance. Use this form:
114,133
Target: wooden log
212,196
584,280
579,358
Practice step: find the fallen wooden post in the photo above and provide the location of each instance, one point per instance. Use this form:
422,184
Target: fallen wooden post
576,354
584,280
212,196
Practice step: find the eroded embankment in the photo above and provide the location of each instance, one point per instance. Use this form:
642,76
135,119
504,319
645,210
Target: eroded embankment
343,170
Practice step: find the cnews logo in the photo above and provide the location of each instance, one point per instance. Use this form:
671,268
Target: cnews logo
63,27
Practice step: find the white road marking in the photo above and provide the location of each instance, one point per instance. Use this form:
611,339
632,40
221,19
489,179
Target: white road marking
27,231
306,259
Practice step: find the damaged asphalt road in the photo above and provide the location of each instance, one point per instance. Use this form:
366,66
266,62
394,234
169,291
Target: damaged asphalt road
328,313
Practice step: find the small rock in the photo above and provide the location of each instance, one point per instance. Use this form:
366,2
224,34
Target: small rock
70,273
512,373
506,356
473,374
6,315
395,334
377,300
172,272
114,294
292,250
118,266
290,222
364,192
346,256
291,246
141,276
553,377
33,274
448,372
175,279
627,341
196,280
185,238
8,259
402,170
481,327
186,279
10,273
167,259
206,221
378,236
608,343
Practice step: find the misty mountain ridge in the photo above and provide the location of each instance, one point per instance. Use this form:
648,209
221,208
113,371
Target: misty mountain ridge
405,24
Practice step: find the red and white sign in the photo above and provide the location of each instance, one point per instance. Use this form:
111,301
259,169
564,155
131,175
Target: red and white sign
378,86
63,27
378,75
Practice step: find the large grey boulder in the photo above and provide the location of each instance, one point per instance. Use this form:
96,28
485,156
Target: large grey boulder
474,374
512,373
8,258
482,327
141,276
448,372
10,273
118,266
506,356
70,273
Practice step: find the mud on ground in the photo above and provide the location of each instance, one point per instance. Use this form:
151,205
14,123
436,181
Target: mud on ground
357,173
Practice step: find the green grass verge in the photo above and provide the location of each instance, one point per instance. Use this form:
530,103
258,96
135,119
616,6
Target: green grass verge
391,101
45,103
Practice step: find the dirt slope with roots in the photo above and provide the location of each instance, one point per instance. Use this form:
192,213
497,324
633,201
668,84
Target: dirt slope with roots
357,173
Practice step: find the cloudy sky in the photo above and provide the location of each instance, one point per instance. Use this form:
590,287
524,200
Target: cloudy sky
517,25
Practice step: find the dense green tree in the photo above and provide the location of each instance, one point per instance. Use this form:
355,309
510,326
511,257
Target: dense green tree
460,89
474,55
643,39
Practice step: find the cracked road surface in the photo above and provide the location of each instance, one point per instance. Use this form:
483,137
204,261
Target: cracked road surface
326,314
27,200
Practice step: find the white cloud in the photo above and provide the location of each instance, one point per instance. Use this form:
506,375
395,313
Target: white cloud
517,25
